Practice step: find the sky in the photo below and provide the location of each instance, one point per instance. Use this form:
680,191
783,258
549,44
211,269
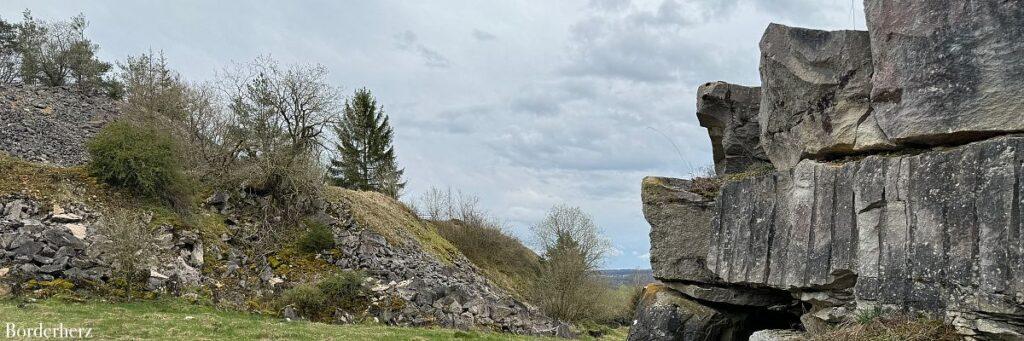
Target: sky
526,104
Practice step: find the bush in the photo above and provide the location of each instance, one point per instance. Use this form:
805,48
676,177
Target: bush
318,238
345,291
318,302
140,159
307,298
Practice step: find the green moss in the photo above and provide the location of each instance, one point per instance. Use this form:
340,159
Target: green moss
299,266
708,187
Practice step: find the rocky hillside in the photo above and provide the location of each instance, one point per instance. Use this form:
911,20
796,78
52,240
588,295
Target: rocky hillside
53,236
897,159
51,125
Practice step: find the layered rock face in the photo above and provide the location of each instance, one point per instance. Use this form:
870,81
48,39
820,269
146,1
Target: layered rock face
816,94
729,112
946,70
938,232
679,237
897,186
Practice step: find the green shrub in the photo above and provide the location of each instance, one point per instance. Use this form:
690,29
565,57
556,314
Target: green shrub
345,291
310,301
318,302
141,159
318,238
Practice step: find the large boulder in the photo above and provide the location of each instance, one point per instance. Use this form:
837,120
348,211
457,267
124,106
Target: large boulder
815,94
938,232
665,315
729,112
946,71
680,230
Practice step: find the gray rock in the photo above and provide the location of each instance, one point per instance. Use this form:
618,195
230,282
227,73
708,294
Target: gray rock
935,232
815,95
289,313
777,335
729,112
741,296
664,314
680,230
952,73
66,218
57,132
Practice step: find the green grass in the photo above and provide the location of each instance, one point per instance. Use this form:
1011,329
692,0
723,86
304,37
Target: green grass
177,320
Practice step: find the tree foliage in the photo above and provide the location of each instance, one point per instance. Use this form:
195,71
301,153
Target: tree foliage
568,287
366,157
10,59
58,53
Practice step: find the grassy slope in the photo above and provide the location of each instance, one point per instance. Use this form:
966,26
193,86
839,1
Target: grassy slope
176,320
160,319
393,220
503,259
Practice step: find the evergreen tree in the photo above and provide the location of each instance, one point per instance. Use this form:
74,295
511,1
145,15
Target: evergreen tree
366,159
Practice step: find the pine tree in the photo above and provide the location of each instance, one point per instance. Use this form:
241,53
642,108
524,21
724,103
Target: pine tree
366,159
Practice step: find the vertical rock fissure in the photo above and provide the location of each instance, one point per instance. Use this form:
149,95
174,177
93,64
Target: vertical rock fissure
832,224
1012,231
810,227
771,232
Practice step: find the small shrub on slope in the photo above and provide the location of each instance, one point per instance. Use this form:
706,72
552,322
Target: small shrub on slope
318,238
140,159
318,302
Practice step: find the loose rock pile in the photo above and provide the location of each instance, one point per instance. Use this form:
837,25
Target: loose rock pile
44,243
435,293
51,124
898,156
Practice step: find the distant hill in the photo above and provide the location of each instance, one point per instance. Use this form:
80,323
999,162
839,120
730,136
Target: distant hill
617,277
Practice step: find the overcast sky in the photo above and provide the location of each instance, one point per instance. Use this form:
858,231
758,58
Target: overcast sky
524,103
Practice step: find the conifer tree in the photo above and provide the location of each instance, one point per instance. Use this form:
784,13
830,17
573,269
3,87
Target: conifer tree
365,158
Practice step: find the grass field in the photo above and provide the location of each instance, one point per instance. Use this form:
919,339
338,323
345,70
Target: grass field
177,320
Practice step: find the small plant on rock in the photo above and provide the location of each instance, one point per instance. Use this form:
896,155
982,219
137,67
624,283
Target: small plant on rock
318,238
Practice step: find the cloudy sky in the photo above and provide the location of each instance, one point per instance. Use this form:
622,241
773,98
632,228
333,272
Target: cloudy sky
525,103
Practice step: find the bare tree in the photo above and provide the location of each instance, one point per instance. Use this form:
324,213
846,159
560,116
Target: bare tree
571,223
568,287
127,239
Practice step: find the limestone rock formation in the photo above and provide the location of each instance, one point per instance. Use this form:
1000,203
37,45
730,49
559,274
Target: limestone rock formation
665,315
729,112
937,232
815,94
946,71
899,165
679,239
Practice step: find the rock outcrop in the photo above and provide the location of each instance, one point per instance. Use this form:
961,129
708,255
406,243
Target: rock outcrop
729,112
51,124
815,98
898,157
937,232
665,315
679,237
946,71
